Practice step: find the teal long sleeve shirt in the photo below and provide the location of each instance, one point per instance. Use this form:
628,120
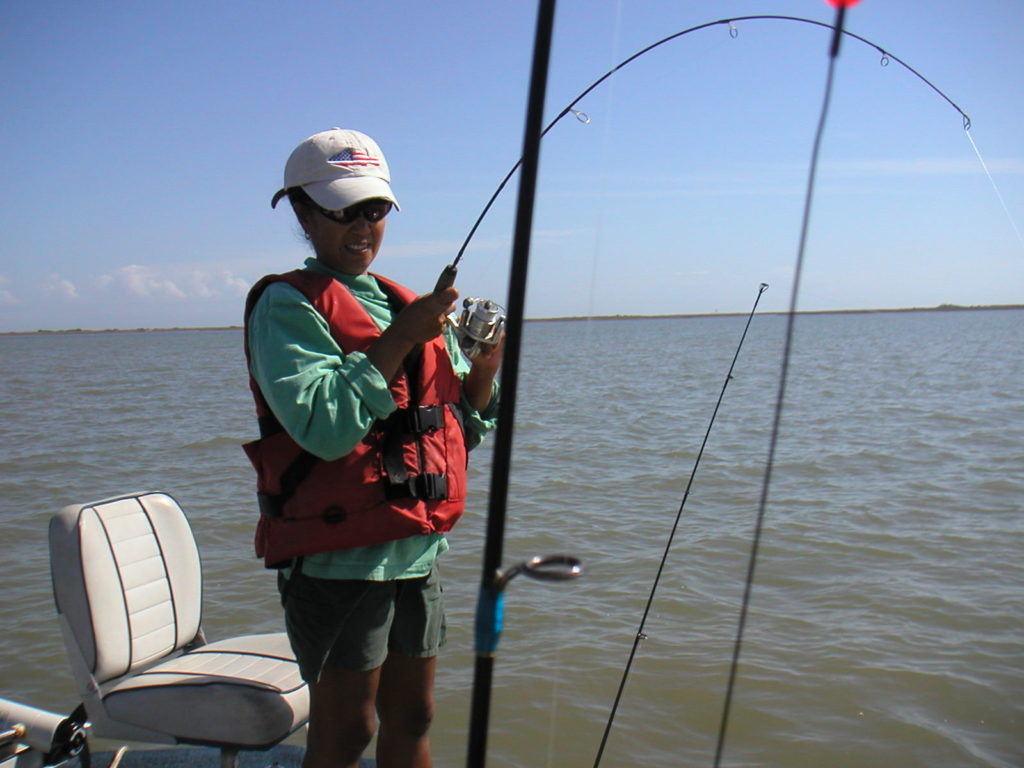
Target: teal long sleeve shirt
328,401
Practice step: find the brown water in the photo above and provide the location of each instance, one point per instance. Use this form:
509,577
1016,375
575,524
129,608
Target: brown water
886,625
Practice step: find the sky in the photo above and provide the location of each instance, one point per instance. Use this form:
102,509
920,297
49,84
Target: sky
142,142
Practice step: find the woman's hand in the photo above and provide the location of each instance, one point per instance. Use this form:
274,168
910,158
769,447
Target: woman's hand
419,322
424,318
479,382
489,357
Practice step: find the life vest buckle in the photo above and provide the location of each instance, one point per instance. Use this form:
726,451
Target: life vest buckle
430,486
271,506
424,418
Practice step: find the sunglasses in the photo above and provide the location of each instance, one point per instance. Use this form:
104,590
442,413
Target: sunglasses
371,210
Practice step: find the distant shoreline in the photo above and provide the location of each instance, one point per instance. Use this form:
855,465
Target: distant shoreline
940,308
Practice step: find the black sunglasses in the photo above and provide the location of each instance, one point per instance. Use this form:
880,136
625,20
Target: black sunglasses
371,210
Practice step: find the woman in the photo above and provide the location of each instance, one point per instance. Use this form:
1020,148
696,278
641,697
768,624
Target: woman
367,410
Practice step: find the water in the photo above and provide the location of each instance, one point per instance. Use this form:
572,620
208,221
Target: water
886,622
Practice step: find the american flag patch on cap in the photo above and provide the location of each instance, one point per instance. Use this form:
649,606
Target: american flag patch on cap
350,157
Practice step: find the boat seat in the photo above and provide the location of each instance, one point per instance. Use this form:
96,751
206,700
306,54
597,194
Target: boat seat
127,583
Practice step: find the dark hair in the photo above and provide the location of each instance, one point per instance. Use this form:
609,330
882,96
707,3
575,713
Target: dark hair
298,197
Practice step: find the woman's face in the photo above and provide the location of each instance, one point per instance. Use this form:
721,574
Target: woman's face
346,247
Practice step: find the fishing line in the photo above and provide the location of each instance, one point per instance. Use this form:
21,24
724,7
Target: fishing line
993,182
602,190
640,636
556,684
448,275
781,395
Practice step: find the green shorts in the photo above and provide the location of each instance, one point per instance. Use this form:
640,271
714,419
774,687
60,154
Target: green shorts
355,624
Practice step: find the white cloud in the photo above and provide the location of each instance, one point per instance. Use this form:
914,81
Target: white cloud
236,285
206,283
7,299
198,284
139,281
58,286
174,282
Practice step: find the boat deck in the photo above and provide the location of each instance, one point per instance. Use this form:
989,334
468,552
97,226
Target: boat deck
282,756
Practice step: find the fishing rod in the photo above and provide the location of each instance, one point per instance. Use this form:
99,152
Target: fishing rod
490,602
449,273
482,321
640,636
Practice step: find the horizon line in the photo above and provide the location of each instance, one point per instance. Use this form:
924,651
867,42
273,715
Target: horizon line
576,318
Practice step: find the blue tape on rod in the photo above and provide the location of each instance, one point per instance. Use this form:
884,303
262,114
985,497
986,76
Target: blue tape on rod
490,613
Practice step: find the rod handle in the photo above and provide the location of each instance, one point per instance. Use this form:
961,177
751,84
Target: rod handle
447,278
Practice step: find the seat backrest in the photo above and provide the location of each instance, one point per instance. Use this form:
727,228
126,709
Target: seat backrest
126,579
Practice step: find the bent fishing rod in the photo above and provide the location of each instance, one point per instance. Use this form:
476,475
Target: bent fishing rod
640,636
449,273
482,321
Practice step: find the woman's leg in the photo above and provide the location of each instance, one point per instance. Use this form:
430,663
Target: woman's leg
342,717
405,704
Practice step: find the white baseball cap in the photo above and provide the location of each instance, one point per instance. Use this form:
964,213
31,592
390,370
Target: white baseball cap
337,168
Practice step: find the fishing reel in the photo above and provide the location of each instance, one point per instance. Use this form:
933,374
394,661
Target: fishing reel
480,323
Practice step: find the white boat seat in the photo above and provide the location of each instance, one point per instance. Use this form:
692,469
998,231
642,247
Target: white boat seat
128,586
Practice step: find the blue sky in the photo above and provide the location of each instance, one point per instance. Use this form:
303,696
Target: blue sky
142,143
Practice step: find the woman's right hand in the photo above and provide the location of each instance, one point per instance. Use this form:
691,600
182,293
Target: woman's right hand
420,321
424,318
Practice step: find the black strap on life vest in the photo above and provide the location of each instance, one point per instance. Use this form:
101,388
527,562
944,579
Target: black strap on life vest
417,420
400,484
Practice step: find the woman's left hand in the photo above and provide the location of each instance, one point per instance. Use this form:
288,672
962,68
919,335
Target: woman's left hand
488,359
479,382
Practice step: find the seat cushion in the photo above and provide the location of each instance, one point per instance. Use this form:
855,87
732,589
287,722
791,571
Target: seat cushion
127,579
245,692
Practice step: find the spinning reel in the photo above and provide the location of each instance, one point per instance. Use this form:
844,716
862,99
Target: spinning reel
480,323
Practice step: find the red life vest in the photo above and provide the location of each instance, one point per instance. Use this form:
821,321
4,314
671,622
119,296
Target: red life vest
408,474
